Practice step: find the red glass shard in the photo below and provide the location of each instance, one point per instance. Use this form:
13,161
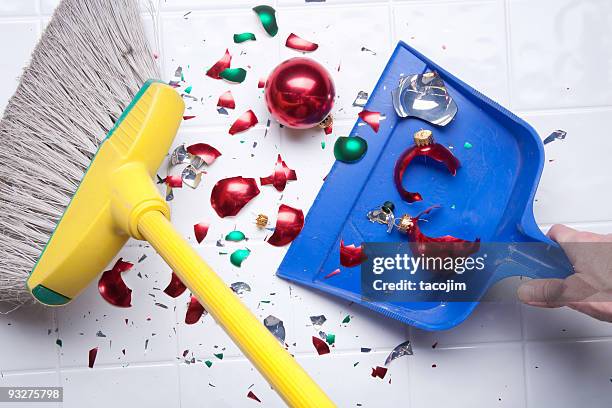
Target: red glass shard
200,230
204,151
226,100
252,396
93,353
371,118
320,345
112,287
231,194
289,224
334,273
220,65
194,311
281,175
246,121
300,44
379,372
174,181
350,255
175,288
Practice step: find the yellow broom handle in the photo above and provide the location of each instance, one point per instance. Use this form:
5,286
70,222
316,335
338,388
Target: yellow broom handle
265,352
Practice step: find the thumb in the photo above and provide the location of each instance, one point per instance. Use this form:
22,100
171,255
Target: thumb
542,292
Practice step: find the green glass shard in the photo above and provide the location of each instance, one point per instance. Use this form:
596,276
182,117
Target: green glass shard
240,38
188,89
219,356
330,338
467,145
350,149
346,319
268,19
208,363
236,75
238,256
235,236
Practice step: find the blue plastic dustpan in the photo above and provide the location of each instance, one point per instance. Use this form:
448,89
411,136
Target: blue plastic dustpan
491,196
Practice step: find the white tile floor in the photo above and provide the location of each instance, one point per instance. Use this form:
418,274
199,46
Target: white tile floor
548,60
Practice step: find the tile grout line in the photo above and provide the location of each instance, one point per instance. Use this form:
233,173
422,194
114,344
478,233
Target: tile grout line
508,36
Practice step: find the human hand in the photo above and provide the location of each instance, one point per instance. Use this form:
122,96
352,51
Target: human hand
589,289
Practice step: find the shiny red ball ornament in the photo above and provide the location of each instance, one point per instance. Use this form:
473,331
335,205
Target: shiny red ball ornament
300,93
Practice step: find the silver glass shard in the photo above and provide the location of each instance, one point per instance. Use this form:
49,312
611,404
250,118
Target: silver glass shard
424,96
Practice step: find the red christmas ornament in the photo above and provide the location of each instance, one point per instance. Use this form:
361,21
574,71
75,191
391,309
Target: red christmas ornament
300,93
231,194
424,146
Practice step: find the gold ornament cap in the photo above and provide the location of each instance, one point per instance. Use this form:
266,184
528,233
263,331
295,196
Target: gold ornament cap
327,122
423,137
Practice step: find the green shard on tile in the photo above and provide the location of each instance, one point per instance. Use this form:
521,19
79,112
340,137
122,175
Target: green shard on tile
208,363
350,149
236,75
267,17
59,342
467,145
322,145
264,301
240,38
235,236
330,338
188,89
347,319
238,256
219,356
453,206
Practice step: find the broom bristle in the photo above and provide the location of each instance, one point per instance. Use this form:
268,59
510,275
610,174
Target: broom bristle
90,62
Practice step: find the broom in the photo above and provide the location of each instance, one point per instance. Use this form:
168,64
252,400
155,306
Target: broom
80,143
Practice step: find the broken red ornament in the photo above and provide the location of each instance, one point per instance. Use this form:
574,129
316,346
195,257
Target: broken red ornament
328,129
261,83
226,100
300,44
200,230
246,121
205,152
93,353
174,181
434,247
371,118
252,396
320,345
350,255
424,146
112,287
195,310
281,175
289,224
175,288
231,194
220,65
379,372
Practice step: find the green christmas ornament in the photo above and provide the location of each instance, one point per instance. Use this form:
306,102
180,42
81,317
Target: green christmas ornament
238,256
350,149
268,19
235,236
236,75
240,38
